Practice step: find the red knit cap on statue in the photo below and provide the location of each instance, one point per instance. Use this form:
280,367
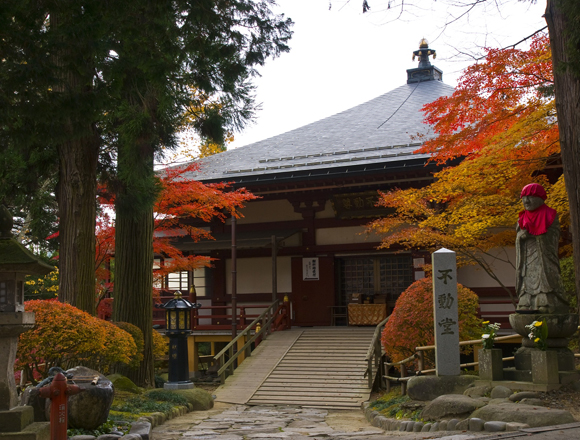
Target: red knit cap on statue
538,221
534,189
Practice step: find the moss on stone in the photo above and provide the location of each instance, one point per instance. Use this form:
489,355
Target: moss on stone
123,383
200,399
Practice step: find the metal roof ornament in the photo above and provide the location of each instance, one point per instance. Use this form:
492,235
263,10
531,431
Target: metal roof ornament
424,53
425,71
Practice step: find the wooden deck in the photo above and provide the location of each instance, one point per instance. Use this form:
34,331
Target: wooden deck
314,367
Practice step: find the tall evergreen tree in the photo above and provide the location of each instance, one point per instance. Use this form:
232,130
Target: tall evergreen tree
79,77
165,49
50,52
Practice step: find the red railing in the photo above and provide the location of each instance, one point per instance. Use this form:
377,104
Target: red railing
501,314
218,317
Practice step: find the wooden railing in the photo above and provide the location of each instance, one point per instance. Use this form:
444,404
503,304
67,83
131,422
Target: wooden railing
375,355
419,356
275,317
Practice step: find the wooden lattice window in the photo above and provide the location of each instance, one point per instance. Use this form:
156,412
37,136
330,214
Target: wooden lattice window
382,275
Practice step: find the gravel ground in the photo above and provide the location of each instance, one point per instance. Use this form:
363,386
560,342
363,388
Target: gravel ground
567,398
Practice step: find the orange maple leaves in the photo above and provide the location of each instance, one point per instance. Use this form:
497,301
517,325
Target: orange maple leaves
501,123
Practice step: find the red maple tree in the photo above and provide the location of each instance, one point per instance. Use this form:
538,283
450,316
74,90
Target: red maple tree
181,201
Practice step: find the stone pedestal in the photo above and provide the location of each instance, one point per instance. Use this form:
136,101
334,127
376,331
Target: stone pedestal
11,326
490,364
15,421
178,385
545,367
560,328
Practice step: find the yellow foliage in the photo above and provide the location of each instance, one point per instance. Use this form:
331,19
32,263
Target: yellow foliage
47,285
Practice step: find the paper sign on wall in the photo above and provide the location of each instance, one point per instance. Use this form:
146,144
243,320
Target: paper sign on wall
310,269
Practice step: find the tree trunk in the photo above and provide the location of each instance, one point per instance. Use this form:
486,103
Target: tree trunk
77,185
567,86
76,195
133,291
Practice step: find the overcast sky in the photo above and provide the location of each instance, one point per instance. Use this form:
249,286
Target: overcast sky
341,57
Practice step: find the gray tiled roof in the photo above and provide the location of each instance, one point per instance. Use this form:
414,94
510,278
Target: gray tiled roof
380,130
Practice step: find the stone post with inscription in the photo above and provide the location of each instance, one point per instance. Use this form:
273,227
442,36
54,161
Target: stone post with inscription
445,313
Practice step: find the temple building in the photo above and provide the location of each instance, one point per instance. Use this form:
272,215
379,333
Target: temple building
305,238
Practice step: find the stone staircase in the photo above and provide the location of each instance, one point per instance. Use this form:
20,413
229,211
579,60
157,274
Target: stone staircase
324,367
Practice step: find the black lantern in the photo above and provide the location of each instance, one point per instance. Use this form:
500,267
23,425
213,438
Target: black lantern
178,326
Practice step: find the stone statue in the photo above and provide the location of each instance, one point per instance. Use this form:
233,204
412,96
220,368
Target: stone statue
538,283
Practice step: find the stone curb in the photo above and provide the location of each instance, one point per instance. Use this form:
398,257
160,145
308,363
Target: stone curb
141,429
470,424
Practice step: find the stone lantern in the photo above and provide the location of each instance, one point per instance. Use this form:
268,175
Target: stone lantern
15,263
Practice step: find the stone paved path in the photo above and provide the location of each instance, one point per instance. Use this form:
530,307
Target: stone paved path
242,422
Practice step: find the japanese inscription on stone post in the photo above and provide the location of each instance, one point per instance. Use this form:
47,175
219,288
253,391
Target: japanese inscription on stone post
445,313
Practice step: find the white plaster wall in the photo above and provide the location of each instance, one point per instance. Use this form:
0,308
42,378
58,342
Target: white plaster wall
327,212
475,276
345,235
254,275
268,211
201,312
293,240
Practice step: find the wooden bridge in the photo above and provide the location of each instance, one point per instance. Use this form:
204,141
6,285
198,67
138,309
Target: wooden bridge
314,367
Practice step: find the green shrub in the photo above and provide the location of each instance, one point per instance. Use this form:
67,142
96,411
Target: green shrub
160,346
123,383
151,401
137,335
391,405
411,323
141,404
200,399
105,428
569,280
166,396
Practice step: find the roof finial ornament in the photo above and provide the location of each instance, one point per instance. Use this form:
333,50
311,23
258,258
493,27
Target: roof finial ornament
423,53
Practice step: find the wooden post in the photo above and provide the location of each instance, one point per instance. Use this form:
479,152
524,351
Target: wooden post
387,380
234,279
274,269
420,360
249,349
192,353
242,317
241,356
193,300
377,361
403,382
231,367
264,320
